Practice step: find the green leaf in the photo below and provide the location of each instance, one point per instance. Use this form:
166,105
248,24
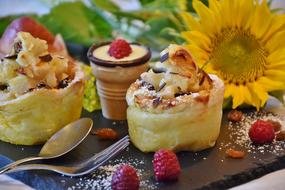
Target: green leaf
77,23
227,104
106,5
166,5
144,2
190,7
155,9
4,22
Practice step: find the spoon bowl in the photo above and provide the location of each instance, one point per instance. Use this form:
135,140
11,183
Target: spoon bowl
60,143
67,138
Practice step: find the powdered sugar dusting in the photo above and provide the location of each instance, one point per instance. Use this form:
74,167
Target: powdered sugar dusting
102,177
239,133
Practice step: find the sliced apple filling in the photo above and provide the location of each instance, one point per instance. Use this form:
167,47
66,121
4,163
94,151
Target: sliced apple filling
30,66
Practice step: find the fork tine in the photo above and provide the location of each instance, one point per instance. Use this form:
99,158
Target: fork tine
114,150
98,155
94,162
126,138
104,159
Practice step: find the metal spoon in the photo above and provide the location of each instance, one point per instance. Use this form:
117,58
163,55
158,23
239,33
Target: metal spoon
60,143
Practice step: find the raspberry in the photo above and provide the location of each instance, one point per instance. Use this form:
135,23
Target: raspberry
119,49
166,165
261,132
125,178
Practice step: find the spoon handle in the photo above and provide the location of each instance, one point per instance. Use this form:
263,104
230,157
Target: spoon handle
16,163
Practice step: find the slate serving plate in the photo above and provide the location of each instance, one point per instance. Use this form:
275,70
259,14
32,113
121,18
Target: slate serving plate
208,169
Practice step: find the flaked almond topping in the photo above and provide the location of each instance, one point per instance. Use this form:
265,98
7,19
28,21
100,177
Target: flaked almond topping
181,94
156,101
21,70
147,85
235,116
105,133
159,70
11,56
164,57
41,85
171,103
18,47
46,58
235,153
161,86
63,83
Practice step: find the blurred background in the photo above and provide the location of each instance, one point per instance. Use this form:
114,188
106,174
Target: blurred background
155,23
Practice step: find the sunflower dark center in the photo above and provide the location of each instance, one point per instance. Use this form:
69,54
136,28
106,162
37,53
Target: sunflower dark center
238,56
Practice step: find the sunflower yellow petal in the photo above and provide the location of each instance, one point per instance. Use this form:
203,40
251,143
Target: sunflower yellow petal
190,22
206,17
197,38
215,7
209,69
246,93
277,24
226,12
276,56
229,90
275,74
277,66
271,85
261,20
276,42
238,97
250,17
261,93
198,53
255,100
237,13
245,12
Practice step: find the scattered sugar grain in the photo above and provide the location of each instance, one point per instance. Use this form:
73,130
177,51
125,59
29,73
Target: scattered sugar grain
239,133
102,177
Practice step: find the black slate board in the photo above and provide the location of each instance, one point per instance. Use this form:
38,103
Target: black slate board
208,169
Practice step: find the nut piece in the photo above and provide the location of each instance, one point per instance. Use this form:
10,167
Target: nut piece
280,136
235,153
235,116
276,125
105,133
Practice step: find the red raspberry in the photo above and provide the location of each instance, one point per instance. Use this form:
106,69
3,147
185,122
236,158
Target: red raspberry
261,132
120,48
125,178
166,165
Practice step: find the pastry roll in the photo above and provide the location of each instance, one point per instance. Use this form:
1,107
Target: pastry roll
40,92
175,105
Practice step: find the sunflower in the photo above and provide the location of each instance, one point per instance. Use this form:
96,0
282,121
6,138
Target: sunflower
243,43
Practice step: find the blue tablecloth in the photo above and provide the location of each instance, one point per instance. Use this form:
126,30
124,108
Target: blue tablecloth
29,178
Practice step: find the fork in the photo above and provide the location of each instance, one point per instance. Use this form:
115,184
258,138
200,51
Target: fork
83,168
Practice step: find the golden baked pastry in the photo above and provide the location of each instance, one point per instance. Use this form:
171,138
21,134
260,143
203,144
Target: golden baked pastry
175,105
40,92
